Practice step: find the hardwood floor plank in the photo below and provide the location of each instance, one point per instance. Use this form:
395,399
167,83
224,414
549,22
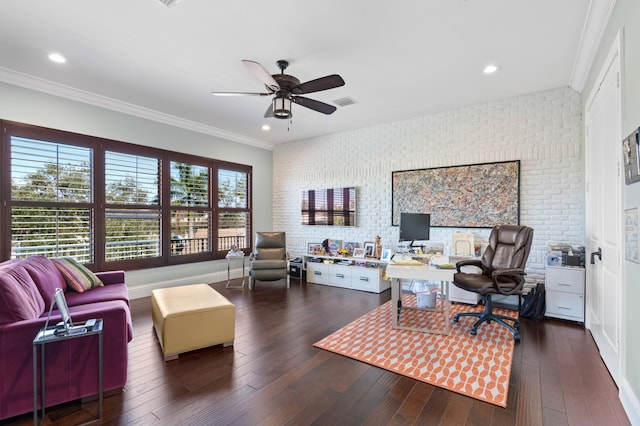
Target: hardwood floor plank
273,374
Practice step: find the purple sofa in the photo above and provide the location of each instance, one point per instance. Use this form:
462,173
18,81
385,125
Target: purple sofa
26,292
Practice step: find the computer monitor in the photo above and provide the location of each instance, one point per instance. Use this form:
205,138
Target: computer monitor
414,226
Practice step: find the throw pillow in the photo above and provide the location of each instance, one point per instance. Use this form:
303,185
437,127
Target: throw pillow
77,276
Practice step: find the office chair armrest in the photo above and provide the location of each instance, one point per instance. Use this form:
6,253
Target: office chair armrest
469,262
516,273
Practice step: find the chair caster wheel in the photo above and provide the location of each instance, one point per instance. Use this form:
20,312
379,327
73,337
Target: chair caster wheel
456,319
516,337
473,332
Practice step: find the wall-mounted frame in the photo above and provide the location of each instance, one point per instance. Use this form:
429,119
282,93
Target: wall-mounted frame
315,248
468,196
631,235
335,206
631,153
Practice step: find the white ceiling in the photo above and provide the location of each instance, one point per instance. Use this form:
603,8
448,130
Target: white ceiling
399,60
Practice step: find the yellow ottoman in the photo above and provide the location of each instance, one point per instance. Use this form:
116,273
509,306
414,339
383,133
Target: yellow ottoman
191,317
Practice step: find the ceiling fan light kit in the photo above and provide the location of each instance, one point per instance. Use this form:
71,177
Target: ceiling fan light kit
286,90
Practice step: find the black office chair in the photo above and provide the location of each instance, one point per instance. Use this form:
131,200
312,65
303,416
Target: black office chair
502,266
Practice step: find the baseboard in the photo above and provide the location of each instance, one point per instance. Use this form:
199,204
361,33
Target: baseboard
630,402
144,290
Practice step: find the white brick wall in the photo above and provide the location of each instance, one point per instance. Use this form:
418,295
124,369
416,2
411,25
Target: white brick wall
543,130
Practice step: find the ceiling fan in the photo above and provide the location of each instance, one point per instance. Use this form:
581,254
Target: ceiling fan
287,88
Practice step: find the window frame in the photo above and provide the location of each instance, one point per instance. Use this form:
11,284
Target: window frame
98,206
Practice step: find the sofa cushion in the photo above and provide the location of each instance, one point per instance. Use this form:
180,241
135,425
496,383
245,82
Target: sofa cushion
19,296
46,276
77,276
99,294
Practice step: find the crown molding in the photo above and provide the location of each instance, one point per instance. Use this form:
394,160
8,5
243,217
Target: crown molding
595,24
60,90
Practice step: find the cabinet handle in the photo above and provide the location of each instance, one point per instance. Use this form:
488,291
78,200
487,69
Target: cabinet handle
565,285
317,273
340,275
364,278
562,307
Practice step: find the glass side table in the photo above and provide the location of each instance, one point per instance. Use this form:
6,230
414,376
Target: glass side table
241,258
47,336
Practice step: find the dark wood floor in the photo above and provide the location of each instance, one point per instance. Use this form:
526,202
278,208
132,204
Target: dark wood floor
274,376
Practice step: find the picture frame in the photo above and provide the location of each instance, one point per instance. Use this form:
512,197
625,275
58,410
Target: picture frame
315,248
495,198
631,153
349,246
359,252
369,248
386,254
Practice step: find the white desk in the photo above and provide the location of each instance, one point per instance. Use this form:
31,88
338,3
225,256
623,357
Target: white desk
424,272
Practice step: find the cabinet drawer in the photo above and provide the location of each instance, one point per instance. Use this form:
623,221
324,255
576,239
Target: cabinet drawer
340,276
317,273
565,305
569,280
367,279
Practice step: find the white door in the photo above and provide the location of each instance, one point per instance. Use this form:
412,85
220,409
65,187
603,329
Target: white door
604,212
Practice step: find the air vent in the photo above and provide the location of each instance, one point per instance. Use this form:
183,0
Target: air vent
344,101
169,3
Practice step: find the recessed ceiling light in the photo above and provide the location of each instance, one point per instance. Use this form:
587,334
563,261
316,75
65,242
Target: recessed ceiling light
266,127
490,69
56,57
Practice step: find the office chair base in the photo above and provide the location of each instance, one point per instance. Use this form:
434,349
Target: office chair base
487,316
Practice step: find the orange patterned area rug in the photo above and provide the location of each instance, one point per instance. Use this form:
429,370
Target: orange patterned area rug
476,366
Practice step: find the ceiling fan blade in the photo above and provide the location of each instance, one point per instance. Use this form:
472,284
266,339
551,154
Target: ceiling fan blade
319,84
262,74
269,112
239,94
314,105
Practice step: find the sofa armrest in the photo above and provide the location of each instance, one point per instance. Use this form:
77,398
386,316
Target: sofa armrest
111,277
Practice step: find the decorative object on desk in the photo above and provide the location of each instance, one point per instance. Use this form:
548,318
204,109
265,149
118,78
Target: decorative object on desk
369,249
632,251
475,366
386,254
630,151
494,198
315,248
336,206
331,247
359,253
378,250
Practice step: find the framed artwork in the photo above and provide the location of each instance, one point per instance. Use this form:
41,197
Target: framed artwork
631,235
469,196
315,248
358,252
386,254
631,153
369,248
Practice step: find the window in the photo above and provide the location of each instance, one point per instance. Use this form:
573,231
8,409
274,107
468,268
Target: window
234,214
190,213
116,205
51,199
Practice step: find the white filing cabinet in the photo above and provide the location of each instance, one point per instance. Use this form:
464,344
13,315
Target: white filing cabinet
564,288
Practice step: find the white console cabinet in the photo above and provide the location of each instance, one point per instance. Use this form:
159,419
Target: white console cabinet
347,276
564,290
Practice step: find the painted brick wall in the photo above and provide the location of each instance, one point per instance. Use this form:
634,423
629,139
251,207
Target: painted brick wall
543,130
